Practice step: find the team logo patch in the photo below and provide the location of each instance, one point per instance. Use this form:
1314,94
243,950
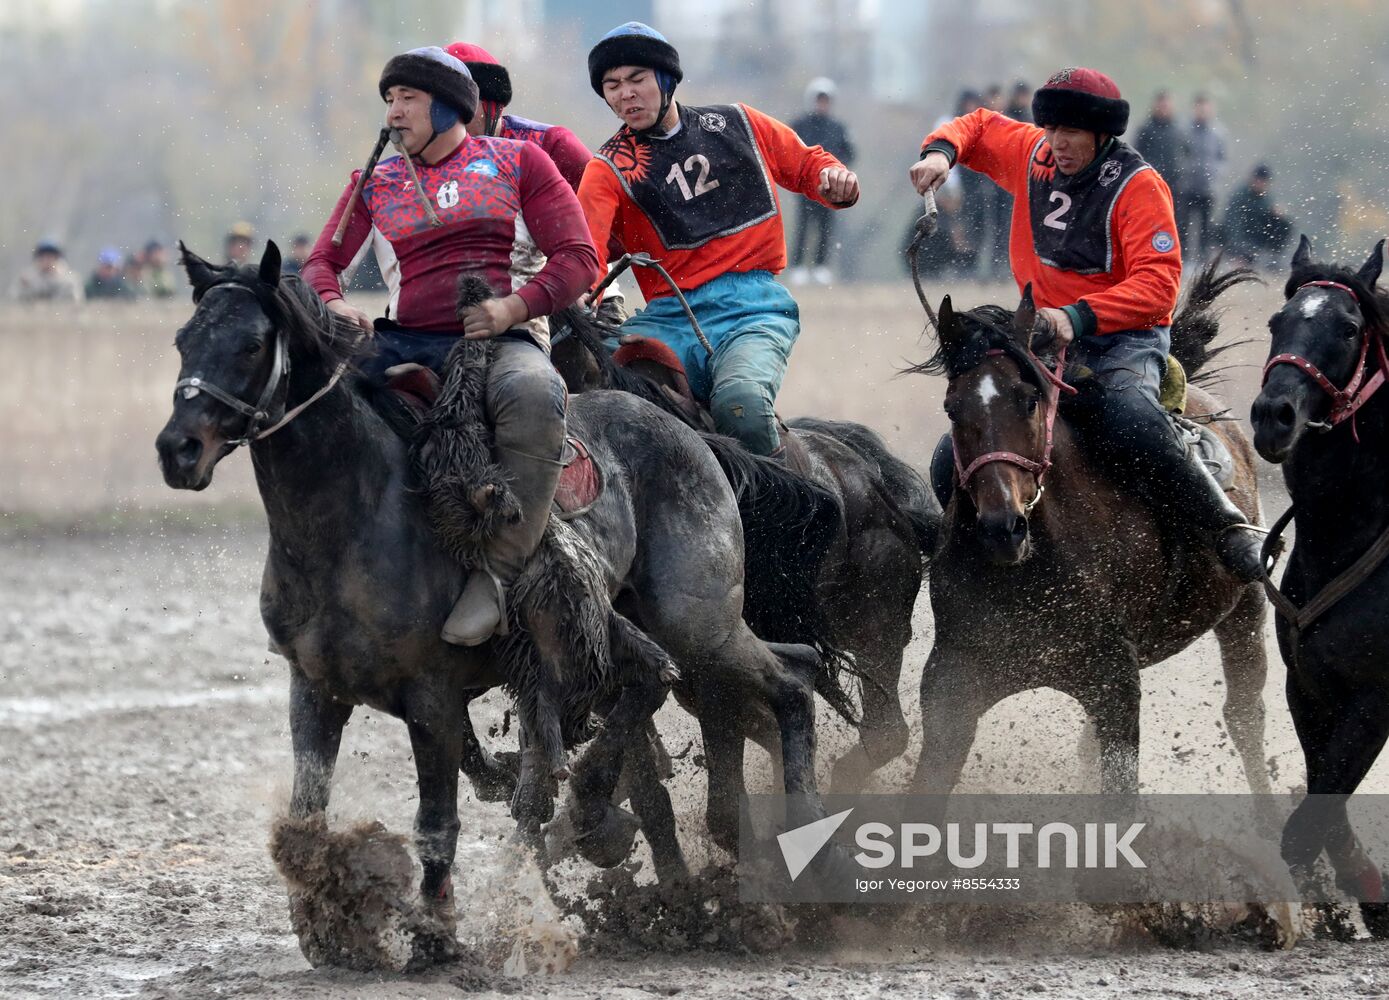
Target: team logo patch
712,121
1163,241
1109,173
486,167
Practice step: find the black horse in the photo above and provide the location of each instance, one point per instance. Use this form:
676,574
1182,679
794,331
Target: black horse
1320,418
356,585
868,581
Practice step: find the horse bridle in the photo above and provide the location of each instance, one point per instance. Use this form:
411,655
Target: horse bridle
1038,468
1344,402
278,378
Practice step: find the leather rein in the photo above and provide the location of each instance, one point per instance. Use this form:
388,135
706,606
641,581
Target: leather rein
964,473
277,380
1344,405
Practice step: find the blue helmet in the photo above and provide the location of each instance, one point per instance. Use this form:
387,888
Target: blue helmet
635,44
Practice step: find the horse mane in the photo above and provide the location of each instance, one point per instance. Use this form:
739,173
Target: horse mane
1197,321
1374,304
295,309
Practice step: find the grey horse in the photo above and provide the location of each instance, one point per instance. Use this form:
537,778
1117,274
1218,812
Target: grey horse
356,586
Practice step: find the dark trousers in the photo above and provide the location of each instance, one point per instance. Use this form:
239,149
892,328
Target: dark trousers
1197,218
822,218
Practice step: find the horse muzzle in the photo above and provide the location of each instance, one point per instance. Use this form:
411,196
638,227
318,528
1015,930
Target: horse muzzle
1005,537
1279,418
187,460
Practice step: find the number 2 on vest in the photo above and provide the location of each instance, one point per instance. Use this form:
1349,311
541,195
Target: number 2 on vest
1054,219
702,183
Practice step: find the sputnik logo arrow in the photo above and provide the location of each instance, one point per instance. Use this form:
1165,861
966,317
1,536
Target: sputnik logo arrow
799,846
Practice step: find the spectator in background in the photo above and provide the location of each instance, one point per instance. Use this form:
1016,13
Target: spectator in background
1255,230
993,97
1203,156
299,249
133,271
238,243
47,278
1020,103
819,128
107,281
159,277
1159,142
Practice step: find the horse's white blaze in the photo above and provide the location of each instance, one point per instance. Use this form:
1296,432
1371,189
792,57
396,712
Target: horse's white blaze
1314,303
988,392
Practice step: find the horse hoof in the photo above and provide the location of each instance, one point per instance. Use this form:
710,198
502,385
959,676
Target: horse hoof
1376,917
609,843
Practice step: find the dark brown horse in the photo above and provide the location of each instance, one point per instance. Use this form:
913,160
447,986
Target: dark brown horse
1323,416
872,572
1085,589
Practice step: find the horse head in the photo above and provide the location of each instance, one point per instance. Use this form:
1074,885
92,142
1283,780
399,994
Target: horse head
999,405
1331,325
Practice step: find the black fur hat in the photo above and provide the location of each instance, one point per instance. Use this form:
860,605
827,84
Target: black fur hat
439,74
1081,98
632,44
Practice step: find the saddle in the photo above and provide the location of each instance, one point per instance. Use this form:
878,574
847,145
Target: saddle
415,388
656,361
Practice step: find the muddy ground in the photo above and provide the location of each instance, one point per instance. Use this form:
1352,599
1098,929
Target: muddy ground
145,756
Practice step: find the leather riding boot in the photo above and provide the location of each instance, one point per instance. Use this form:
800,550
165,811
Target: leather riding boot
1139,444
481,611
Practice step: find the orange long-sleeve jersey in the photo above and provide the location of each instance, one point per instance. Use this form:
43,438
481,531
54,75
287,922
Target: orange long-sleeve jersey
1135,284
704,201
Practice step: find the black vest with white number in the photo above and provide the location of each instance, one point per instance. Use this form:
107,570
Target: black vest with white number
1072,216
706,181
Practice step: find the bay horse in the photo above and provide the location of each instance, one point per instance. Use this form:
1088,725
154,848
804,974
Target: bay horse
1084,589
356,585
1320,416
872,573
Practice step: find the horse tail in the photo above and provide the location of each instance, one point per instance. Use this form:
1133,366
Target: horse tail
1197,322
789,523
901,485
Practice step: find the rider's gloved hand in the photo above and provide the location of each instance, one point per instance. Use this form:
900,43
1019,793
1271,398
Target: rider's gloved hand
1051,331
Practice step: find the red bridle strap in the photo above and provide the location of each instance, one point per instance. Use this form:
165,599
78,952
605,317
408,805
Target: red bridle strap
1038,469
1344,402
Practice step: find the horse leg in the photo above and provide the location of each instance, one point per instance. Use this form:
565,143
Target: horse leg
652,803
1241,638
953,700
437,741
603,831
1111,695
492,780
878,640
315,725
1336,765
723,738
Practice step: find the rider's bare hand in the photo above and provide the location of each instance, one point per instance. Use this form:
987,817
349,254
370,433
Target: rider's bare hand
1052,330
352,314
930,172
491,317
838,186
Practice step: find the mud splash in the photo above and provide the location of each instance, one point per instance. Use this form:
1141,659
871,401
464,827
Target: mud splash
352,898
621,916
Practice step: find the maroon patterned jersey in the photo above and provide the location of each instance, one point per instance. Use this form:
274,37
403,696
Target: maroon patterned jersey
494,198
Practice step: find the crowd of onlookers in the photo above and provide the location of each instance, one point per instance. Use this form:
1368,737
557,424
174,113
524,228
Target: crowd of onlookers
971,240
974,212
146,273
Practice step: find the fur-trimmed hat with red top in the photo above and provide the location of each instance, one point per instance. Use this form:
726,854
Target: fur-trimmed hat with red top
1081,98
493,81
444,77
